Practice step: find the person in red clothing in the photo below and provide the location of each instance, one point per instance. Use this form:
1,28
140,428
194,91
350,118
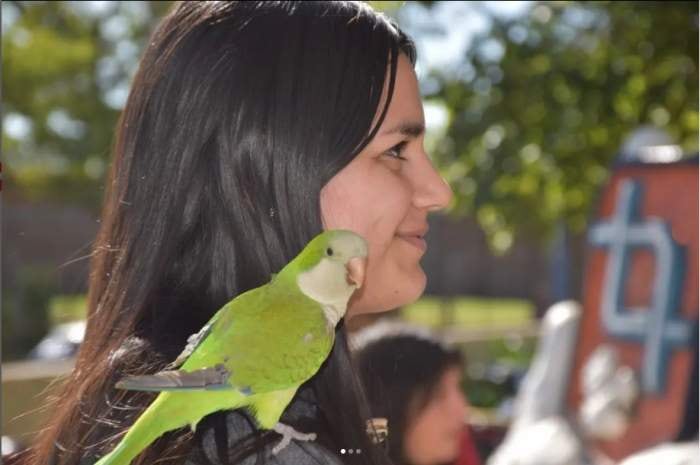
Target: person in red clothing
412,379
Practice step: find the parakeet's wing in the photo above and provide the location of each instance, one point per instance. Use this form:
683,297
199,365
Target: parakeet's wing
209,378
259,342
282,344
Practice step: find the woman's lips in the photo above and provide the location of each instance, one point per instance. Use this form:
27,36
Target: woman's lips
416,241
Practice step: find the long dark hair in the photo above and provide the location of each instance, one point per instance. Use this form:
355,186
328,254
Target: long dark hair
401,367
238,109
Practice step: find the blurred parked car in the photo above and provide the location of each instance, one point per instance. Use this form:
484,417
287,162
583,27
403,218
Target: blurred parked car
62,342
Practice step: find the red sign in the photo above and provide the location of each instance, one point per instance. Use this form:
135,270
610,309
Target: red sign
640,296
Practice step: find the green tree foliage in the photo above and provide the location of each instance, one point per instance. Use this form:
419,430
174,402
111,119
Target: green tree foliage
537,108
66,70
542,103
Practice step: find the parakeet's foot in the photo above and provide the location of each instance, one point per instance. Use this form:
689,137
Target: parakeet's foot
288,434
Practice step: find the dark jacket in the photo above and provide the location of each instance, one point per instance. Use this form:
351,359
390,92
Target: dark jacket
234,425
219,432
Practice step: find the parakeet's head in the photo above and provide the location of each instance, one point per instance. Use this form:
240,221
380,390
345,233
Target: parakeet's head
332,266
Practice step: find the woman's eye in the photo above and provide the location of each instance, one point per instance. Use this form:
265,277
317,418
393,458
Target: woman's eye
395,151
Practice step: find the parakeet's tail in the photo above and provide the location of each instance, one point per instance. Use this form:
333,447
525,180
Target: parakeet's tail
149,427
125,452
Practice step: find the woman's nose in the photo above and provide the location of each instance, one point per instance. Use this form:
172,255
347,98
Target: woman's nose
432,191
460,405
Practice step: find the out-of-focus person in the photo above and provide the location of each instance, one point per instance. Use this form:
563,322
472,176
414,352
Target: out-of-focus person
412,379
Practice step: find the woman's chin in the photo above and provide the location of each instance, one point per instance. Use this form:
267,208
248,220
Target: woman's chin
413,284
405,288
419,280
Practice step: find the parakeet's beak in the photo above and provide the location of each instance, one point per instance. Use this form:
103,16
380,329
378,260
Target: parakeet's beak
356,271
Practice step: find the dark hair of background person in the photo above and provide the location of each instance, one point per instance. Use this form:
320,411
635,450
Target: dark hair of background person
401,373
236,108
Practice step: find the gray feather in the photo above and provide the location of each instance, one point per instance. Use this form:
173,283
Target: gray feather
211,378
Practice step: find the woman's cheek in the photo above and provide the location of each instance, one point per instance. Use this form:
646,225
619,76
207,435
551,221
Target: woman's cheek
339,215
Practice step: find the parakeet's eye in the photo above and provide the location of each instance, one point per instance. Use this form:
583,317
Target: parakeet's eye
329,251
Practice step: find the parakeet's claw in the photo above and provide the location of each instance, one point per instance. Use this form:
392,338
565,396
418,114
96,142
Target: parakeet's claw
288,434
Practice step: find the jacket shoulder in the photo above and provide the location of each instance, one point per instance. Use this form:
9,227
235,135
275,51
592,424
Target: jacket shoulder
216,441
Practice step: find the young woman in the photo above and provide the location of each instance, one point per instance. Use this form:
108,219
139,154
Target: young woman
250,128
413,381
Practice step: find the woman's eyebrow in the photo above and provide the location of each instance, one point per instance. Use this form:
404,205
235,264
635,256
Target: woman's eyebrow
408,128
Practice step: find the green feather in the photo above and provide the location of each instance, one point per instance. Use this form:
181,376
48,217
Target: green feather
253,353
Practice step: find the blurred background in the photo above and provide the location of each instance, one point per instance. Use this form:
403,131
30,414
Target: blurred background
528,107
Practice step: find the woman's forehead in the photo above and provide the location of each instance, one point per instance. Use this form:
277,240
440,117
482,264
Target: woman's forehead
406,105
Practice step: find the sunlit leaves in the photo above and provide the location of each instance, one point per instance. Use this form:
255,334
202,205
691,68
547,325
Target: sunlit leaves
532,143
66,66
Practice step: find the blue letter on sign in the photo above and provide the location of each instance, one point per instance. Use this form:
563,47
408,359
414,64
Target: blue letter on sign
658,327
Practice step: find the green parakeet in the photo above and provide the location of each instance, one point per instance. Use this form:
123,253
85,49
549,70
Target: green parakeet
256,350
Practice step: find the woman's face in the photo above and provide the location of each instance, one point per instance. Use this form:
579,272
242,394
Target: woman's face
386,199
433,435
